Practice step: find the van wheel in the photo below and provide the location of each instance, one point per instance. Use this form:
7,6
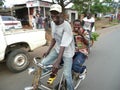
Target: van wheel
18,60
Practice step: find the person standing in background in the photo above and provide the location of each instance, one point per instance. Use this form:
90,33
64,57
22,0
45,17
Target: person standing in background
47,28
47,22
118,17
88,23
40,22
33,22
36,20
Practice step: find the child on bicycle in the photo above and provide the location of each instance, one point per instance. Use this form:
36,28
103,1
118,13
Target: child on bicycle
81,46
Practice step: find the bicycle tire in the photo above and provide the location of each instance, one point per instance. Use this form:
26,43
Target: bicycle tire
62,85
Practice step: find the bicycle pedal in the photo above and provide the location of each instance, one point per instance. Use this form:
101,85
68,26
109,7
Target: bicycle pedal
51,80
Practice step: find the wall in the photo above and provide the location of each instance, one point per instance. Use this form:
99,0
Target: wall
72,14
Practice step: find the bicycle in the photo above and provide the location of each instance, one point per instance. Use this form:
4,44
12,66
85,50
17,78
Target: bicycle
37,83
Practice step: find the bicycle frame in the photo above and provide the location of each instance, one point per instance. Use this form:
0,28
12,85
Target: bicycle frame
38,76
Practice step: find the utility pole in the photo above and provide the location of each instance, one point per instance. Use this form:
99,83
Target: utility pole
117,8
89,6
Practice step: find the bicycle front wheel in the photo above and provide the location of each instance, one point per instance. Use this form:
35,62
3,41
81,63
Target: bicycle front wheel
36,78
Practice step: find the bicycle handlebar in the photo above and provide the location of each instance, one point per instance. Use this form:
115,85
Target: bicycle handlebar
40,64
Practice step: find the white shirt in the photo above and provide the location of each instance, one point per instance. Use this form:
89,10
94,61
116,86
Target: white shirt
88,22
64,37
34,23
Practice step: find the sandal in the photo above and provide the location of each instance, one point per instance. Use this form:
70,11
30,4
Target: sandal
51,79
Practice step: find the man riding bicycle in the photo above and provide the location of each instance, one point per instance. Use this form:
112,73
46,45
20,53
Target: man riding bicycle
62,44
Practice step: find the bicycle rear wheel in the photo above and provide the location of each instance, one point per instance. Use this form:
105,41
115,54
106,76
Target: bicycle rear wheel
76,79
62,85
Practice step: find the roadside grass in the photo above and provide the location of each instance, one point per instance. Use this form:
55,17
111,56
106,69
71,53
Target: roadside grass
104,23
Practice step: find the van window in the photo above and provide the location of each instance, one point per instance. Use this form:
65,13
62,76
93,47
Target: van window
11,22
8,18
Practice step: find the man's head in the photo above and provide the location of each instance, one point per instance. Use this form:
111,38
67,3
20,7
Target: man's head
56,11
56,7
88,15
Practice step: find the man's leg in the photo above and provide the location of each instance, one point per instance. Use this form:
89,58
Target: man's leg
67,72
78,62
50,58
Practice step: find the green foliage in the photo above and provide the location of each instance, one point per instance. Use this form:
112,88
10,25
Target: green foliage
95,6
80,5
94,36
1,2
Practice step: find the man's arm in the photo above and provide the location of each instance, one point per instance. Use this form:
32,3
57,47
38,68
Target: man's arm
60,55
92,24
82,23
50,47
52,44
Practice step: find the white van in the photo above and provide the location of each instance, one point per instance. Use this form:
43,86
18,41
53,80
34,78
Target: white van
15,44
11,22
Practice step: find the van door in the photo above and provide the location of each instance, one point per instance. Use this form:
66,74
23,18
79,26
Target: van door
2,43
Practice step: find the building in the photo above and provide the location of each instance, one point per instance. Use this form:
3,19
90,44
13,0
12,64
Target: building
72,14
25,12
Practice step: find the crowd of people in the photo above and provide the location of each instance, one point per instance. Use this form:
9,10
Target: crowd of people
38,22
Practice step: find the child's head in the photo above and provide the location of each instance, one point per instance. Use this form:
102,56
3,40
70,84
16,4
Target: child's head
76,25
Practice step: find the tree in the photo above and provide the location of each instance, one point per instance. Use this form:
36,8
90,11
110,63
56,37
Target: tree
80,5
63,3
93,6
1,2
113,5
101,7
